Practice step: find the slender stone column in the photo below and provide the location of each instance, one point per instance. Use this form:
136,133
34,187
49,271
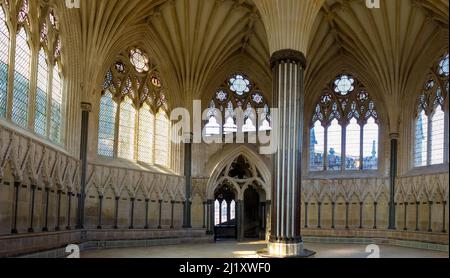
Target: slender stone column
171,214
417,216
116,214
444,206
240,219
430,217
69,210
86,109
361,205
347,209
393,177
47,196
375,205
319,210
100,209
188,177
16,206
333,207
306,214
405,216
132,213
288,96
147,201
58,211
160,212
205,209
33,193
210,217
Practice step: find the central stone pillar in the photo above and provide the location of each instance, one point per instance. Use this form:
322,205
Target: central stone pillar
288,96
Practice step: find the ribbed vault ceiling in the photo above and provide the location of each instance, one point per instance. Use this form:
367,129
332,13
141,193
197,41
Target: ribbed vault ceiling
192,41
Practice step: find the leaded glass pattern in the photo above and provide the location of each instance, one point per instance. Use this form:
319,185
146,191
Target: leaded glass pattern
40,122
4,62
146,135
431,109
162,139
21,80
106,129
346,116
126,129
237,92
55,118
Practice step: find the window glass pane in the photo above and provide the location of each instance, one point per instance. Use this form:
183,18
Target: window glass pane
162,140
55,118
232,210
334,146
370,146
229,126
21,80
317,141
4,61
106,129
216,213
212,127
40,123
437,136
145,139
126,129
420,150
224,212
353,146
249,126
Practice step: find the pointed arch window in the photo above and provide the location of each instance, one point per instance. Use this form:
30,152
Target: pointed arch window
237,92
21,79
128,126
4,62
106,129
344,128
146,134
162,139
40,122
126,129
56,106
431,120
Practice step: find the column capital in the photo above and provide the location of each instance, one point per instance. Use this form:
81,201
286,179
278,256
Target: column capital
394,136
85,106
285,55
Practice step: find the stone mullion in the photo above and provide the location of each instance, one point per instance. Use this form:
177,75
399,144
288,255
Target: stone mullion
33,87
343,148
429,136
361,148
325,153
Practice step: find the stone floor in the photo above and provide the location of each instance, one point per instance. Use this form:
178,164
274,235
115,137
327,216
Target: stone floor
232,249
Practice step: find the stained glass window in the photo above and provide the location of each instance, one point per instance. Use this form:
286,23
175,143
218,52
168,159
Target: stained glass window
21,80
430,128
4,62
162,139
146,134
139,60
40,124
126,129
347,118
106,129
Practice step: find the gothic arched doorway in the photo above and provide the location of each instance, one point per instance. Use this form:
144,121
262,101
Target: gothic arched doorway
238,208
225,213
